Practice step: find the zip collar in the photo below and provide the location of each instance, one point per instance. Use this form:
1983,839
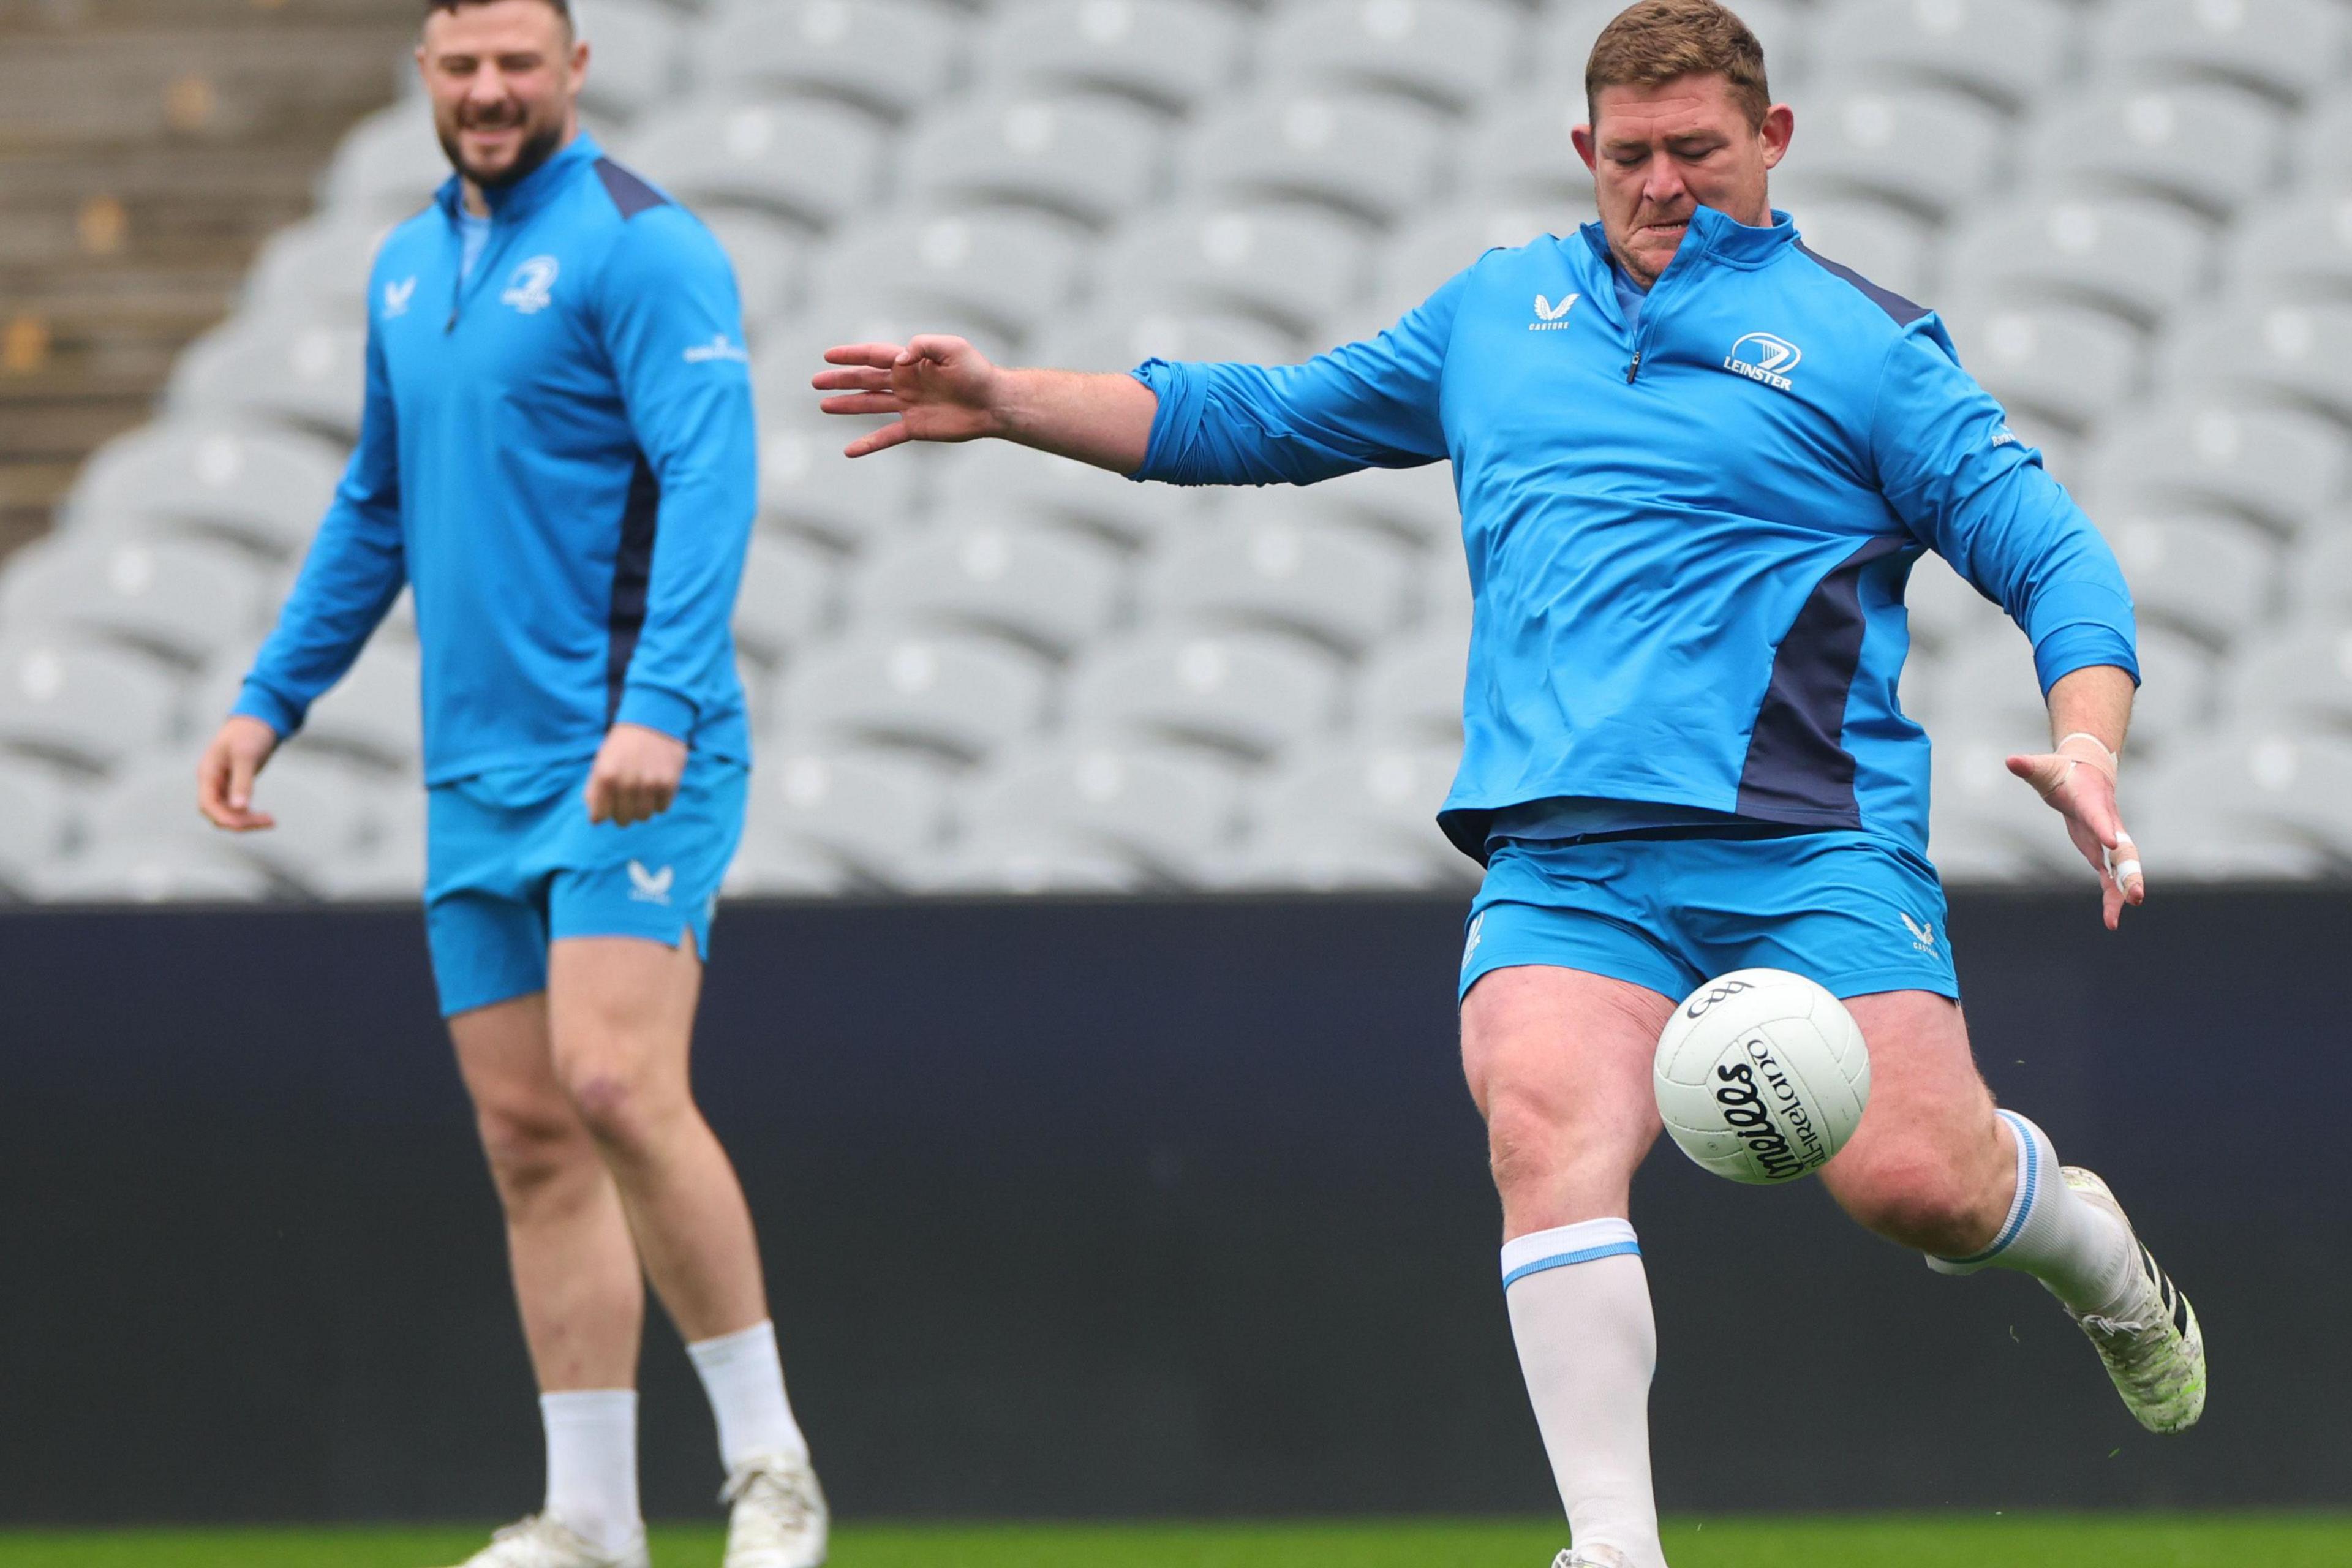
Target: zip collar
1712,237
526,195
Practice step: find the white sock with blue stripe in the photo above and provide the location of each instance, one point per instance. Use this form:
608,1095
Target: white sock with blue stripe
2080,1252
1580,1304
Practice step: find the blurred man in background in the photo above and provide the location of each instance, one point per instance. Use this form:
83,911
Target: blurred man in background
1695,464
558,454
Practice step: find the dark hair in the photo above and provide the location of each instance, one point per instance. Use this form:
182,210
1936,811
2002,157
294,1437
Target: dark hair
563,7
1658,41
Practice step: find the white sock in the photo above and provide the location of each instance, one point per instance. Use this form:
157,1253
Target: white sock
1580,1303
591,1465
744,1376
2078,1251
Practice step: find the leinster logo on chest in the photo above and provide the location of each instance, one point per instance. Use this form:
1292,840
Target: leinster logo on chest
1761,357
530,289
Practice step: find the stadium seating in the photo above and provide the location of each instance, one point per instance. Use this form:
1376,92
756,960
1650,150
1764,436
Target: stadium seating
980,670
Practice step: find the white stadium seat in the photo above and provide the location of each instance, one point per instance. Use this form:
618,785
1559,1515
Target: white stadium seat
2210,575
1369,156
813,162
1417,505
997,479
1052,588
1987,687
2300,248
86,704
1168,53
373,715
153,874
958,695
1431,249
2319,575
386,167
1252,693
2302,351
1088,158
1382,796
1945,608
785,869
1411,688
34,817
1174,811
889,56
2067,361
2298,680
769,257
1291,264
2285,46
264,489
786,598
1452,53
1121,335
1517,151
179,599
638,48
324,812
388,868
807,486
1567,30
1266,568
2010,51
1013,271
2213,147
870,813
2137,257
2251,801
1882,243
1987,823
311,378
315,271
2278,465
1031,863
1931,150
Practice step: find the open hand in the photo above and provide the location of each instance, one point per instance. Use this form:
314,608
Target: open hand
636,775
942,389
224,775
2078,780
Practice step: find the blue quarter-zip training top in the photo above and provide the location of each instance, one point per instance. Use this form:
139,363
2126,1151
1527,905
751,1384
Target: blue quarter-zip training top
558,451
1688,538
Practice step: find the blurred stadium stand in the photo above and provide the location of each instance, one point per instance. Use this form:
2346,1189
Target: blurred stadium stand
976,669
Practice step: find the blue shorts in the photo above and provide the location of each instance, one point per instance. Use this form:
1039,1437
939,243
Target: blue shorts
1857,913
512,865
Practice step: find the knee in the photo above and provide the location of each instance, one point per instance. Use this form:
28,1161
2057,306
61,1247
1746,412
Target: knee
621,1112
1922,1203
532,1149
1531,1149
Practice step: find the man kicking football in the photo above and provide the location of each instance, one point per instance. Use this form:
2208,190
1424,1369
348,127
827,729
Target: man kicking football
1691,495
558,453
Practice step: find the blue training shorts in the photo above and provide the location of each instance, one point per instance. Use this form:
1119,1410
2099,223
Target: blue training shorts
509,869
1856,912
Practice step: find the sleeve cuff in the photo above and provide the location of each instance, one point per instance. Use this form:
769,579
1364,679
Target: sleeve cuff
651,708
1178,387
258,701
2070,648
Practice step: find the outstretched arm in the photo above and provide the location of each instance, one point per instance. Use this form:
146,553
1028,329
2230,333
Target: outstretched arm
943,389
2090,711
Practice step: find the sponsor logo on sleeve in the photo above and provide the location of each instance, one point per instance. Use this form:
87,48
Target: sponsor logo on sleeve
531,289
717,348
1761,357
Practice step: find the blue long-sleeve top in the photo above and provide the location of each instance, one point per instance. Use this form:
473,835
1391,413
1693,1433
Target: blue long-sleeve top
557,452
1688,536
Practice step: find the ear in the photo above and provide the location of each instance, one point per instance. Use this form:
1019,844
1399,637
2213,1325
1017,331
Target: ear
578,62
1585,148
1779,128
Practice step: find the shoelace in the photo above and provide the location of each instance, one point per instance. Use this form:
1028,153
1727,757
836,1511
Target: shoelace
781,1487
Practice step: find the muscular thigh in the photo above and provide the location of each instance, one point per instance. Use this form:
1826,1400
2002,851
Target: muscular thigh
1931,1114
1559,1061
622,1008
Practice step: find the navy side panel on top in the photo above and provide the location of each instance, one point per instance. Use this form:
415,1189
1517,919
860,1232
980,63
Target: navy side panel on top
1904,311
629,192
632,570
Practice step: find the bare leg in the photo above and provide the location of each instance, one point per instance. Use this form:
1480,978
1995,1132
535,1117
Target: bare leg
1931,1167
621,1013
1559,1062
575,1270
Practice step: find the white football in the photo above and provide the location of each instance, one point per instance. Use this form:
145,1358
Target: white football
1762,1076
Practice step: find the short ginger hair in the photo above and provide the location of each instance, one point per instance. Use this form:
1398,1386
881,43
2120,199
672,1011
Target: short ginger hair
1659,41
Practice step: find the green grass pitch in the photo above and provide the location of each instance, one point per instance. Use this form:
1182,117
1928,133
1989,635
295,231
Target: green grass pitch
1899,1540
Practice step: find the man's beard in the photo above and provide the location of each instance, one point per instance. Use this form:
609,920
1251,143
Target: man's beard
537,148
